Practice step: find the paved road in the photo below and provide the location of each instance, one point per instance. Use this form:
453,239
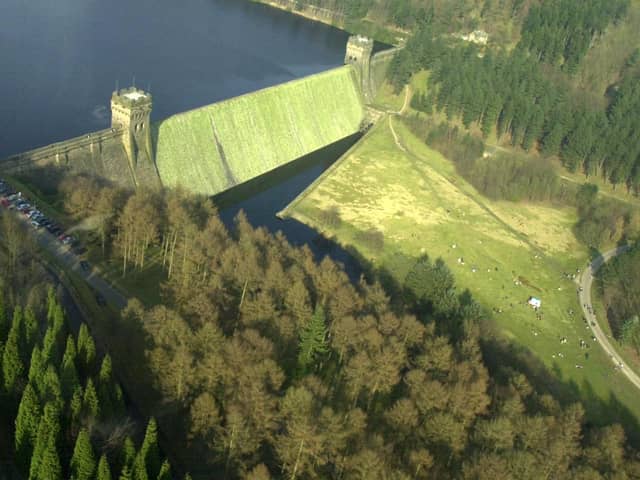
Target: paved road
71,261
586,281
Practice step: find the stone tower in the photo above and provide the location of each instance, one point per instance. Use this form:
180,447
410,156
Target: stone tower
131,113
359,51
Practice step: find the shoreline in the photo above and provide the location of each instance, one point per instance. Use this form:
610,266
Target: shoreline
328,18
380,33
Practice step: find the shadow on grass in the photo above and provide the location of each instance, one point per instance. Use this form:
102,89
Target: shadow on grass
501,355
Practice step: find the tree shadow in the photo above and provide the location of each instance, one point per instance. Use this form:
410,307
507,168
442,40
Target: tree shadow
501,355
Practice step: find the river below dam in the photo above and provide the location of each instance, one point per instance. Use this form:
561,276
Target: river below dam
61,60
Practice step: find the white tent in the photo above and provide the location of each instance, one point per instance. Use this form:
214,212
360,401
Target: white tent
535,302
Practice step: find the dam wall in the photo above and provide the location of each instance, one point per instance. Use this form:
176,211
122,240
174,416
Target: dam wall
213,148
100,153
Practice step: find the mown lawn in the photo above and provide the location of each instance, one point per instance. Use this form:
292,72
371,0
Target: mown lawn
502,252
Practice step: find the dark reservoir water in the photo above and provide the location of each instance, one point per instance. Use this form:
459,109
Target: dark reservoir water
60,61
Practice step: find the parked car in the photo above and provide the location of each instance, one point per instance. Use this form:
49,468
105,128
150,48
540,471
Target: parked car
35,224
85,265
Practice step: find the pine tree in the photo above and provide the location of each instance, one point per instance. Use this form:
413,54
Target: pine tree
83,462
313,339
127,454
38,449
30,330
49,427
104,471
5,326
49,466
70,352
53,338
75,409
117,404
149,450
52,303
51,389
165,471
86,351
106,370
90,403
68,373
36,367
140,468
17,324
105,388
12,365
26,431
126,473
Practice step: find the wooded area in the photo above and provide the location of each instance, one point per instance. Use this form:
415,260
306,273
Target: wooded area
63,412
514,95
617,284
267,364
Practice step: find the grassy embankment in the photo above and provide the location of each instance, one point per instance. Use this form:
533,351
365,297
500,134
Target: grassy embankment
413,195
210,149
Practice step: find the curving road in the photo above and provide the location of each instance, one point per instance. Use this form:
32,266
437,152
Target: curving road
584,294
70,261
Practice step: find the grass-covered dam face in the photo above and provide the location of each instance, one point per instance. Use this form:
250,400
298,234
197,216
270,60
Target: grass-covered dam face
213,148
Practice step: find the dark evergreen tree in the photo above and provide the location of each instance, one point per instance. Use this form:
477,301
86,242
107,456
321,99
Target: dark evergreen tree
49,467
26,430
90,402
83,462
68,373
140,468
165,471
86,351
5,325
149,451
313,339
31,331
104,470
12,365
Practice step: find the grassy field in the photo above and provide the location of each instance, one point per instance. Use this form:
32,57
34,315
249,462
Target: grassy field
209,149
502,252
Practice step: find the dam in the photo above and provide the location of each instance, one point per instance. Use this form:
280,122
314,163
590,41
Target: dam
213,148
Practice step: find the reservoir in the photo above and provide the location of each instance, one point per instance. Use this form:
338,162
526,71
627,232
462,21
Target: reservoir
61,60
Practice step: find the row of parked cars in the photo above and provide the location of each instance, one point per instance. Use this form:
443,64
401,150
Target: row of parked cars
13,200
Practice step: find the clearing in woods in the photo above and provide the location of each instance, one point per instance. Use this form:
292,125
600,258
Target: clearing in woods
503,252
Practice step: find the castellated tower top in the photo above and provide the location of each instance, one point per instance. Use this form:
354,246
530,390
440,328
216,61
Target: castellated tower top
131,109
131,113
359,49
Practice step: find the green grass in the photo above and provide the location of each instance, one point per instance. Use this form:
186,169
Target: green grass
143,284
50,205
416,199
257,132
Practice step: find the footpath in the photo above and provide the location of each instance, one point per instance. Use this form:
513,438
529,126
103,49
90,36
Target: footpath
586,282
